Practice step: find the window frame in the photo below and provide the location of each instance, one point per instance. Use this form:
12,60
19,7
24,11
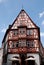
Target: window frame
30,44
15,32
22,31
21,44
30,32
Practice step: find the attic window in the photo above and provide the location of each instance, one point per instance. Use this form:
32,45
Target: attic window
29,32
15,32
22,31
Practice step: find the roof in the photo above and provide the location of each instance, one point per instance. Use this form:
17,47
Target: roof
14,22
27,15
43,51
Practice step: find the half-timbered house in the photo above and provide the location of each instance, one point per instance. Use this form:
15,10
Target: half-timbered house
21,43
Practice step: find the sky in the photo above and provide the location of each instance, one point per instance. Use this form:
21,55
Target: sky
9,9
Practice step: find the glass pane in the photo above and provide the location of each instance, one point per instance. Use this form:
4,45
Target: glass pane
30,43
22,31
15,32
22,43
29,32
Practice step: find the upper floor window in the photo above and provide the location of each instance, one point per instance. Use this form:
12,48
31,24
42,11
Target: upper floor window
30,32
30,43
14,44
15,32
22,31
22,43
17,44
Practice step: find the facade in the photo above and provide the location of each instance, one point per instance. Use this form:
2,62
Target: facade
1,55
21,42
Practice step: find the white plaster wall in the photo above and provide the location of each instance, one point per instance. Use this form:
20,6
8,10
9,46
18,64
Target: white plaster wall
9,62
1,54
36,56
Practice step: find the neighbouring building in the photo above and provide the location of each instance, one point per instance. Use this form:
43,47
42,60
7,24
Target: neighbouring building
1,55
21,43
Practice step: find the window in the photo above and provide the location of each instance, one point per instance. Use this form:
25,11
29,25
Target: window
22,31
29,32
14,44
22,43
15,32
30,44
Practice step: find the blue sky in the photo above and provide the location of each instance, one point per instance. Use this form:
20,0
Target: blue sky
9,9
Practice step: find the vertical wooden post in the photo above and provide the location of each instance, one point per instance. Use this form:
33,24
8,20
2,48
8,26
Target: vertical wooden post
20,62
26,62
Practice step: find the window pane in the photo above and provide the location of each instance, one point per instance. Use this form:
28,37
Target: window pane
14,44
22,31
22,43
29,32
30,43
15,32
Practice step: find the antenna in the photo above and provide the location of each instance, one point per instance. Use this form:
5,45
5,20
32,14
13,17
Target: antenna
22,6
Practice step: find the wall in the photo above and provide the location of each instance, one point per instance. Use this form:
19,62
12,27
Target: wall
36,56
9,62
1,55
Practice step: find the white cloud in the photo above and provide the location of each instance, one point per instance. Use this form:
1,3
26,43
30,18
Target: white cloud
43,22
2,1
3,30
41,14
42,34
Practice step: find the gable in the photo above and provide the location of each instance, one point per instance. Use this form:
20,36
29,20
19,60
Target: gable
24,20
